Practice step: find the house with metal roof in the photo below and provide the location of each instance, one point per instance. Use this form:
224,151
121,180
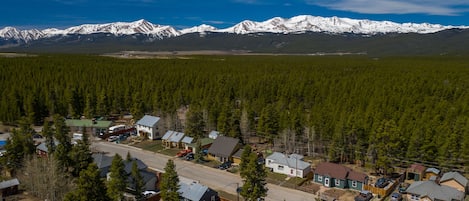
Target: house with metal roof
335,175
431,172
147,127
186,141
204,142
42,150
223,148
291,165
454,180
430,190
197,192
9,187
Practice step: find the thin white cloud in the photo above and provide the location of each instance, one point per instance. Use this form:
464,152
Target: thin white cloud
430,7
215,22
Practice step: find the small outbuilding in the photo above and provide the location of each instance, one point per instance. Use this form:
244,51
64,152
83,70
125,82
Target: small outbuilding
9,187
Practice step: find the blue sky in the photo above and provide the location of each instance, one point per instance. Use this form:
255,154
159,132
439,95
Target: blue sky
26,14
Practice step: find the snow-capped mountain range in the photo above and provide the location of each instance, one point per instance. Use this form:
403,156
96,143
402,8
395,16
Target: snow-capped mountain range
295,25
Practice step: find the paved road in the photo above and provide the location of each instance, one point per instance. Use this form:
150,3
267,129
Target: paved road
211,177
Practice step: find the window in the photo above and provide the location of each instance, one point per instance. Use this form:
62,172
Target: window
213,198
354,183
337,182
280,167
320,178
269,161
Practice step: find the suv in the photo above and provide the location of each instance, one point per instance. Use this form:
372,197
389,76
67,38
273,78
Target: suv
382,182
225,165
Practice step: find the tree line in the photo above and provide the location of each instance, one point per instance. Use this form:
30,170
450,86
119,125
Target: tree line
347,109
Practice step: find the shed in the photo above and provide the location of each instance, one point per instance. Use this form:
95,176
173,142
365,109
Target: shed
416,172
9,187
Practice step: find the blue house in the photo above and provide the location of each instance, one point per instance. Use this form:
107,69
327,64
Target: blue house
339,176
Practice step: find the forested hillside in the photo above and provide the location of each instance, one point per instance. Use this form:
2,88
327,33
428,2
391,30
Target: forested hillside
345,108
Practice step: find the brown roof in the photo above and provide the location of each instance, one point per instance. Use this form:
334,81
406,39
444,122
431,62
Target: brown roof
223,146
418,168
340,172
332,170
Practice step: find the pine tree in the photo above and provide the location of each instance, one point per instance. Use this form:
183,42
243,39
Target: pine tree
49,135
195,124
64,147
254,175
170,183
117,182
80,155
198,155
89,186
245,157
137,181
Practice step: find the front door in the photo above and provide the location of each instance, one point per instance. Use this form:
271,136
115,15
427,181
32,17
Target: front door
326,182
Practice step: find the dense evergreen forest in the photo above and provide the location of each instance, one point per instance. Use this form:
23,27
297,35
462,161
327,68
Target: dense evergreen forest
381,111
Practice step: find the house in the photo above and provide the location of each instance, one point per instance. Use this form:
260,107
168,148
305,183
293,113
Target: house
291,165
91,126
335,175
223,148
165,138
186,141
431,190
454,180
9,187
416,172
197,192
104,163
147,127
205,143
431,172
42,150
213,134
176,139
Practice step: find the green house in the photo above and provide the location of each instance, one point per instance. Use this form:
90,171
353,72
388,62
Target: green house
91,126
339,176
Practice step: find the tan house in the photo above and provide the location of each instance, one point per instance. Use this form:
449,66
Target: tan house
454,180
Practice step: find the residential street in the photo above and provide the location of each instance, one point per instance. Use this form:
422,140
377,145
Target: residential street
213,178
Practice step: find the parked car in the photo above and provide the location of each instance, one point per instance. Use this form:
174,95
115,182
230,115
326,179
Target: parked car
382,182
364,196
183,152
112,138
403,187
189,156
225,165
396,197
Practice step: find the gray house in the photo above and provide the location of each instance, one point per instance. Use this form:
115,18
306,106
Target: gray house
197,192
223,148
430,190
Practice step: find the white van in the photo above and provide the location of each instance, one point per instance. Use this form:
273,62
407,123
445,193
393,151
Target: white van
116,128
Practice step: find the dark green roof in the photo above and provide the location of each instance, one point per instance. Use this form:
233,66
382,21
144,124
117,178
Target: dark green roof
87,123
204,141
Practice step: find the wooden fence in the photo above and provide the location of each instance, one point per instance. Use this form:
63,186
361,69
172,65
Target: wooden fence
382,192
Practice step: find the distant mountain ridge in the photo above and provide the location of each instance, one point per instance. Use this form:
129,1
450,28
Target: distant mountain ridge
294,25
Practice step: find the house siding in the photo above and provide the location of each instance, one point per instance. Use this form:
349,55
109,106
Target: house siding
151,131
344,184
454,184
358,187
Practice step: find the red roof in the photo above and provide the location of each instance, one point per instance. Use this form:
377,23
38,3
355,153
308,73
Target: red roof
416,168
339,171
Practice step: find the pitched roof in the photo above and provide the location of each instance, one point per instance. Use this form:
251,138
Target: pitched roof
223,146
128,165
340,172
9,183
194,191
416,168
203,142
456,176
43,146
187,140
146,177
238,153
148,121
433,170
102,160
176,137
292,161
434,191
213,134
87,123
167,135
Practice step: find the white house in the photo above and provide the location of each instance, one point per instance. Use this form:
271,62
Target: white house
291,165
148,127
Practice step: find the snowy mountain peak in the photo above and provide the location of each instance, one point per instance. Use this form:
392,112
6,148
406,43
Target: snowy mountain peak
296,24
